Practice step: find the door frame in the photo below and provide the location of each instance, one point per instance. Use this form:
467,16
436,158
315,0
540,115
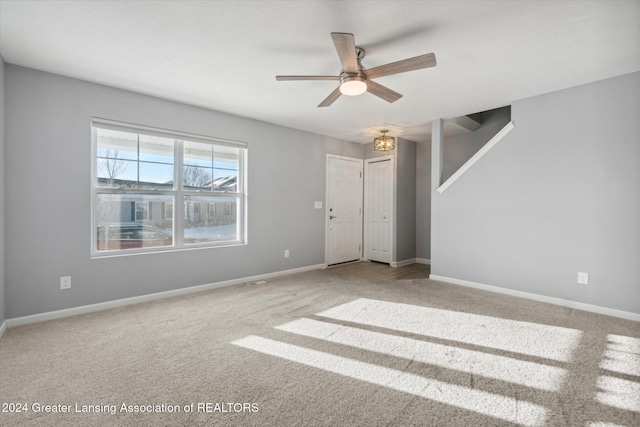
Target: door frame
326,204
365,234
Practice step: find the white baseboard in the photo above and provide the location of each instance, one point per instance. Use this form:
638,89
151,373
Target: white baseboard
24,320
403,262
423,261
542,298
3,328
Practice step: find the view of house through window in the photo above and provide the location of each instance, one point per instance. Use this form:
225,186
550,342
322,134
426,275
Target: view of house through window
141,174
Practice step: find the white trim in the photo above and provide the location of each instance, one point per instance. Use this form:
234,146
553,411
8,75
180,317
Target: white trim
542,298
58,314
3,328
481,152
423,261
403,262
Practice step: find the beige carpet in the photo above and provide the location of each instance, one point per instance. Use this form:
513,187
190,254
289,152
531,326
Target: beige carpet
320,349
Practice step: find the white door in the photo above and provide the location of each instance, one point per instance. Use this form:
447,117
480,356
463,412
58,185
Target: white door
378,210
344,209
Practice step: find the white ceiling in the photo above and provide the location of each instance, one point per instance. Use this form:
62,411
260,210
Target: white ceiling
224,55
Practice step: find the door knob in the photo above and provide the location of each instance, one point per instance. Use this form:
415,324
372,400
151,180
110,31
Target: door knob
331,217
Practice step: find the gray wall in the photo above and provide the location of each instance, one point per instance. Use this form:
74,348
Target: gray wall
460,148
2,180
48,157
558,195
405,200
423,200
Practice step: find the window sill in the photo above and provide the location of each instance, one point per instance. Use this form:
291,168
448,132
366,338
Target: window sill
195,247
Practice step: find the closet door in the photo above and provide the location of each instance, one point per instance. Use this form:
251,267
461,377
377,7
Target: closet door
378,210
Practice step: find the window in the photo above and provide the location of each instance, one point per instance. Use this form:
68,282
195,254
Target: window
141,173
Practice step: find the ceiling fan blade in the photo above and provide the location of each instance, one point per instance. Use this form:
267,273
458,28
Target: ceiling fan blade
331,98
382,91
345,44
284,78
417,63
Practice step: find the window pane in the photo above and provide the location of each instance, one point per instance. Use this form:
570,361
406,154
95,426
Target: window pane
156,162
198,154
196,178
156,149
117,152
117,173
155,175
226,166
197,171
132,221
226,157
210,219
116,144
225,180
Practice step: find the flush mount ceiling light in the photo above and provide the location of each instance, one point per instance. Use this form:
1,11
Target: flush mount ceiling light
384,143
352,85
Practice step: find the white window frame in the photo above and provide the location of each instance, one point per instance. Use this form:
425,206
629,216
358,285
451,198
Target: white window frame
178,192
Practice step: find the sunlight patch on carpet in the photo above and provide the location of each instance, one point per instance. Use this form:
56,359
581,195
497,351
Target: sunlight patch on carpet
619,393
622,355
508,369
533,339
479,401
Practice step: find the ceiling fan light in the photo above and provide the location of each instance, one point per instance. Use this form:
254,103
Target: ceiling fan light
353,86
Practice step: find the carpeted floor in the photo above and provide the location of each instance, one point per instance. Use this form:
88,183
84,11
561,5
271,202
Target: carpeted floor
324,349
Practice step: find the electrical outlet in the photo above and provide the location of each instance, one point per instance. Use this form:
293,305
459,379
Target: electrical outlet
286,253
65,282
583,278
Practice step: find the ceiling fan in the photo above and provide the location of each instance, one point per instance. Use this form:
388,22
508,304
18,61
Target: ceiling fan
355,80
